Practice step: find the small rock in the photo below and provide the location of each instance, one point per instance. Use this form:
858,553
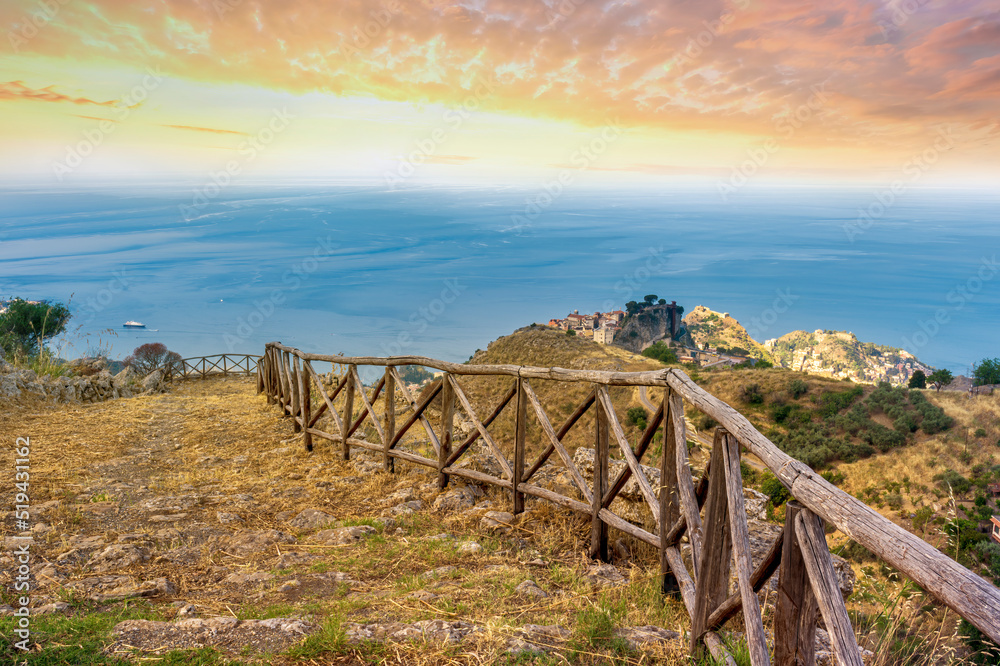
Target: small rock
57,607
405,509
227,518
457,499
470,548
289,585
344,535
440,572
605,575
497,521
637,637
311,519
530,589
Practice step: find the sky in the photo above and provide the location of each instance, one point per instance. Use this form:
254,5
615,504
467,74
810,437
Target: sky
630,91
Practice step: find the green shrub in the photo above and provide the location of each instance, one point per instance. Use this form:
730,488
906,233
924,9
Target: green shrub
636,416
751,394
661,352
774,489
798,388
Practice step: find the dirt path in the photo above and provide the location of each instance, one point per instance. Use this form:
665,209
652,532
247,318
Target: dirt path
201,506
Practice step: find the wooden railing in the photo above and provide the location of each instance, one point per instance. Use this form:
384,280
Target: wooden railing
709,511
217,364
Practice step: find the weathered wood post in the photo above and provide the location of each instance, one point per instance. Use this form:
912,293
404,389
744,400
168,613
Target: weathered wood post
305,389
669,509
795,609
520,437
598,528
296,394
712,584
348,410
823,580
447,428
388,462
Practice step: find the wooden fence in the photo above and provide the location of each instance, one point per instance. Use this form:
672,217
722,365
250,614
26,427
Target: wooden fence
709,510
218,364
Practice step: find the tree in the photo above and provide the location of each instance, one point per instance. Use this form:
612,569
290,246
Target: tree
662,301
649,299
918,380
632,307
151,356
637,416
661,352
24,326
987,371
940,378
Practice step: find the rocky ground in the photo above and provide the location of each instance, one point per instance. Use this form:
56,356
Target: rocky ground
192,527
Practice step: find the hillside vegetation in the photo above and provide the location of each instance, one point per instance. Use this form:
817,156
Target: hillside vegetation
708,328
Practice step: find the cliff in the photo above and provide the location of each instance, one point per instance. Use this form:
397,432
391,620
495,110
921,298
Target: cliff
643,329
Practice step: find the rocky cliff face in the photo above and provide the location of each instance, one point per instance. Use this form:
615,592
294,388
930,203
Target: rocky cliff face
645,328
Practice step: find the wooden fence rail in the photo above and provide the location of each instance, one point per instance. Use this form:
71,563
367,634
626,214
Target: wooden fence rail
709,512
218,364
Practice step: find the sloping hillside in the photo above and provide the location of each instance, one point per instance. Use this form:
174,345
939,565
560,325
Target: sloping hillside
717,329
840,354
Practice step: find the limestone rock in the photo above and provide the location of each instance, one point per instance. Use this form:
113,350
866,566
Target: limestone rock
497,521
344,535
311,519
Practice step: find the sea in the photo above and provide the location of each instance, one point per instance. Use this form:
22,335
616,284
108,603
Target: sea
441,270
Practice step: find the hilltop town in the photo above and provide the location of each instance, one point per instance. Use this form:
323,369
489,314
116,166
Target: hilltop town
706,338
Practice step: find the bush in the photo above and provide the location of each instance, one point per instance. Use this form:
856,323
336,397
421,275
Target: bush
636,416
750,394
773,488
661,352
151,356
798,388
980,432
918,380
950,478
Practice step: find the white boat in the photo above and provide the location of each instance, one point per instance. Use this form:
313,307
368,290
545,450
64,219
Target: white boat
133,324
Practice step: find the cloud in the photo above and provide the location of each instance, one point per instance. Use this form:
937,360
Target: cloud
205,129
730,66
16,90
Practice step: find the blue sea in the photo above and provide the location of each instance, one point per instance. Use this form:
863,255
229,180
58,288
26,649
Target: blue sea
442,271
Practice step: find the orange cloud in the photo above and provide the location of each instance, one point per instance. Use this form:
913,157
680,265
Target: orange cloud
16,90
205,129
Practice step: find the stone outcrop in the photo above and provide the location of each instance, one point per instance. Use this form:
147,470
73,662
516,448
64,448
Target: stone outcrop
643,329
21,384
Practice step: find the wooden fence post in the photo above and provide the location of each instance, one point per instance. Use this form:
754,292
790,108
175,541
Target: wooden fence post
598,528
520,436
795,608
305,390
388,462
447,427
296,394
669,507
712,585
348,410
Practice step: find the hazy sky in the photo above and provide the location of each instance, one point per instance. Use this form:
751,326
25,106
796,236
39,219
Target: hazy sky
830,91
